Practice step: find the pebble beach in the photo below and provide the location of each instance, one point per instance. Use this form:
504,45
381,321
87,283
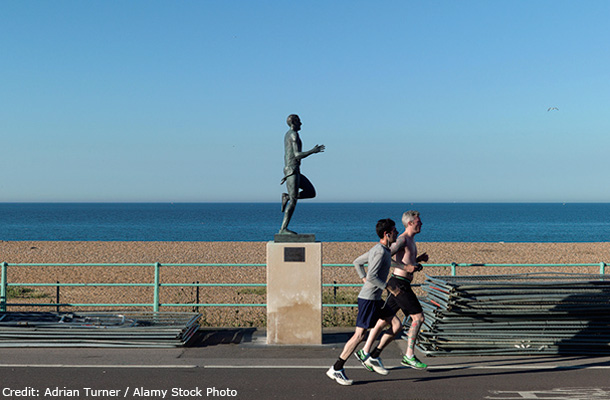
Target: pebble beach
254,252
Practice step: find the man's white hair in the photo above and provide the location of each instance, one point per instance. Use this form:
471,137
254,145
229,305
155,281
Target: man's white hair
409,216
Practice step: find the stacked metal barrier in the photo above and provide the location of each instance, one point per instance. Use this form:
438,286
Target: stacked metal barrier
534,313
125,329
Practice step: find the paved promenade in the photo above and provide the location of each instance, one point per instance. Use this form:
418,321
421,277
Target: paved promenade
236,363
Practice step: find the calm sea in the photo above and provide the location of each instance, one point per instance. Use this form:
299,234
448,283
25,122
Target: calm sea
330,222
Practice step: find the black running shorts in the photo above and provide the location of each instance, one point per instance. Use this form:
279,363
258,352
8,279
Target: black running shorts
406,301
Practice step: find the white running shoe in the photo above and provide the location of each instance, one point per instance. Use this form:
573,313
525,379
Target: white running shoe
376,365
339,376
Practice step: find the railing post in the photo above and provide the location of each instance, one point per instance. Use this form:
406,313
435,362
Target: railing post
602,268
3,287
156,300
57,297
197,297
453,268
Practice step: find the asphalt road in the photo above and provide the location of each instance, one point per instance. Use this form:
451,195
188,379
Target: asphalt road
238,364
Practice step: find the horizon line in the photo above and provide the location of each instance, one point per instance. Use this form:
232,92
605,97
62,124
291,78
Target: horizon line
308,202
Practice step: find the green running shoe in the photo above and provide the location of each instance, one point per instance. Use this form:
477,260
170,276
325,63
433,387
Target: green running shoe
413,363
362,357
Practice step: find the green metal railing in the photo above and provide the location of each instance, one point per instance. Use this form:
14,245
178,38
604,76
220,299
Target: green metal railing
157,284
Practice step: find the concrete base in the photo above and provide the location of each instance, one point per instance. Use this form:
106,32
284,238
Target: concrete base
294,293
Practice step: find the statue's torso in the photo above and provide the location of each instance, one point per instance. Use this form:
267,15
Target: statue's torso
292,144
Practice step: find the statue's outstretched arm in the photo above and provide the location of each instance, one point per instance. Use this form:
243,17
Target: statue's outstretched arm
318,148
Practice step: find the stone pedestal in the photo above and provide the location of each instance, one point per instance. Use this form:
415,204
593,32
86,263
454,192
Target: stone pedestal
294,293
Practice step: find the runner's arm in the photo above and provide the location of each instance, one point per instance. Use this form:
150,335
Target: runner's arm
372,276
359,265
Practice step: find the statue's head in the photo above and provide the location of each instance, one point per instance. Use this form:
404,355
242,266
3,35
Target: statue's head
294,121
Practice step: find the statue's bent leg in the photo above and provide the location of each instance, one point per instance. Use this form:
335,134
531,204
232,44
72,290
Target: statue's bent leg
307,189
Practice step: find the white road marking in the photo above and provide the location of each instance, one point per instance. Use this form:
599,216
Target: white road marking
279,366
436,367
93,366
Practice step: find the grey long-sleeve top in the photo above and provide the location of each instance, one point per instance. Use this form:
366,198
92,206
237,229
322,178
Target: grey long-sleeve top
379,260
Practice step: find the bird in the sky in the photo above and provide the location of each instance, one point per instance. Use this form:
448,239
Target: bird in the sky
553,108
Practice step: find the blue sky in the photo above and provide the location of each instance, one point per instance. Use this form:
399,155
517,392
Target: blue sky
416,101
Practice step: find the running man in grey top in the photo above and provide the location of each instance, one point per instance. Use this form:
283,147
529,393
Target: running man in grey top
369,298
